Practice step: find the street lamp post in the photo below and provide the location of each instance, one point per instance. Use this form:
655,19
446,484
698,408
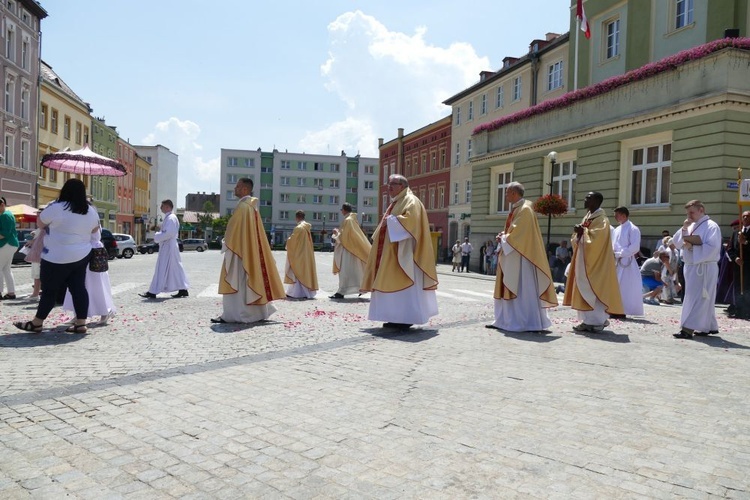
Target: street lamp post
552,156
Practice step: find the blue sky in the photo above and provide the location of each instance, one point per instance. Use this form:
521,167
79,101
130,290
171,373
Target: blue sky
305,76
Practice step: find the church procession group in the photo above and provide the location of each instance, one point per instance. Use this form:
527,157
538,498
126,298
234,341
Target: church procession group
604,279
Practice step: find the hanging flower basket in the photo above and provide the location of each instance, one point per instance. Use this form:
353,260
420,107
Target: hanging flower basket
551,204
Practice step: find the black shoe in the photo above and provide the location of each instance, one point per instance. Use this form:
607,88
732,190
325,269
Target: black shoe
618,316
181,293
491,326
218,320
336,296
397,326
147,295
683,335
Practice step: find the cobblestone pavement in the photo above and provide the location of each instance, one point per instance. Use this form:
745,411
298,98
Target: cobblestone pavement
322,403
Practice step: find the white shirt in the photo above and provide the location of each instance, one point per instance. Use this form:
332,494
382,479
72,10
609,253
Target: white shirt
69,236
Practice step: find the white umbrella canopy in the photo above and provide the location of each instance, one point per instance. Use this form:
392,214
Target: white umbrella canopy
83,161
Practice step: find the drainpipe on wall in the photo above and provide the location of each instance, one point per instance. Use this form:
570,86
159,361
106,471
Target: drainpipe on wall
534,76
36,131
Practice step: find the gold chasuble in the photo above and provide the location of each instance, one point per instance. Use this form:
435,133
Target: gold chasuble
524,235
300,255
384,271
353,240
599,263
246,238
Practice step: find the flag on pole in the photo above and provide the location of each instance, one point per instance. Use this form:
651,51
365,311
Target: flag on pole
581,15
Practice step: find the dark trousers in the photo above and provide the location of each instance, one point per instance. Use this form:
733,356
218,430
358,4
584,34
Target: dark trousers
56,278
465,262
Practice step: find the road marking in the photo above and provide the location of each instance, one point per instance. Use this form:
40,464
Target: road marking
124,287
453,296
484,295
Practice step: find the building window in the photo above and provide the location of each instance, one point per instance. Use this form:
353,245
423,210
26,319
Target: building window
500,97
458,153
442,158
564,181
424,163
231,161
385,174
43,117
66,127
483,106
555,76
53,121
368,202
318,183
284,181
333,200
335,167
24,155
301,198
250,162
230,196
317,198
468,149
432,198
317,216
613,39
369,184
266,169
286,164
79,133
232,178
369,169
471,111
651,175
455,193
517,88
334,183
458,115
333,216
86,138
683,13
284,215
317,166
441,197
25,104
9,39
300,181
25,53
301,165
503,178
284,198
468,191
10,91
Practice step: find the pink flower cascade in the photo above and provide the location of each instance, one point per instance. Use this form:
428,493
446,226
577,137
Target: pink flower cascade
649,70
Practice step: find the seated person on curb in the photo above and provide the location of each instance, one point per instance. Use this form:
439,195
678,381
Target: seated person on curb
651,277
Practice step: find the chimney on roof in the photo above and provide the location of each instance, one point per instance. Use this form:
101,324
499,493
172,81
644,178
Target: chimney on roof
551,36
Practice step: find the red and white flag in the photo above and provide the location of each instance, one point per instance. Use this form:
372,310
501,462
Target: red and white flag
581,15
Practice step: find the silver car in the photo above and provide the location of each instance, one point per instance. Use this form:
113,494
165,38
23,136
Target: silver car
125,245
196,244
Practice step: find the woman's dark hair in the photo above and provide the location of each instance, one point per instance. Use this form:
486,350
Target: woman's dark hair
73,194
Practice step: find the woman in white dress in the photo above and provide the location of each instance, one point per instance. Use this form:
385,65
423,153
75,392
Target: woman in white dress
98,288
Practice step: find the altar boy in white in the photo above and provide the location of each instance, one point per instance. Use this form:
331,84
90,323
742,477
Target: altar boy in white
626,243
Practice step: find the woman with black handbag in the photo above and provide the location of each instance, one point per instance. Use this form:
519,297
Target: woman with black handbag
69,223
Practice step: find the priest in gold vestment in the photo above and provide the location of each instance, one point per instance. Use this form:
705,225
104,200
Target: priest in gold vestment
523,287
592,287
249,280
400,270
300,273
350,252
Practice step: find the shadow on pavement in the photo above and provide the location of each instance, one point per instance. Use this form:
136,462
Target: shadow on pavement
714,341
607,336
237,327
43,339
640,321
542,336
411,335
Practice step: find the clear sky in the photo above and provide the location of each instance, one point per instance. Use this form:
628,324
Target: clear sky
313,76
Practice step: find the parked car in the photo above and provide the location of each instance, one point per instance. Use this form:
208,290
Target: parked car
151,246
125,245
196,244
110,243
24,235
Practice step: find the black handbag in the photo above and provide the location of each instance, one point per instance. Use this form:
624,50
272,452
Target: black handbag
99,261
